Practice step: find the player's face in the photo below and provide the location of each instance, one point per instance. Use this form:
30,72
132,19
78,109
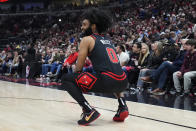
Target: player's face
86,28
85,25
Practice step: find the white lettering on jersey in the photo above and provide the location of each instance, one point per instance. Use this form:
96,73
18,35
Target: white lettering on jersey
105,42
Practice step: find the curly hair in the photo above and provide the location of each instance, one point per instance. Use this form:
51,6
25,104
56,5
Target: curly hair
100,18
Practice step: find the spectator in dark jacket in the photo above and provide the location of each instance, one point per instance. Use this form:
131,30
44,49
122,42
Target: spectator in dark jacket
154,62
161,74
142,63
189,65
170,52
156,57
134,56
144,56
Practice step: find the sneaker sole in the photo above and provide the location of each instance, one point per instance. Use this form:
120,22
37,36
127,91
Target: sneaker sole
122,117
91,121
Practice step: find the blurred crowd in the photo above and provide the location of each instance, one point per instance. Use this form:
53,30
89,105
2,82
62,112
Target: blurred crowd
155,41
44,5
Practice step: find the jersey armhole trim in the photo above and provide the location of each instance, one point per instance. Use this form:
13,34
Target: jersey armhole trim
93,37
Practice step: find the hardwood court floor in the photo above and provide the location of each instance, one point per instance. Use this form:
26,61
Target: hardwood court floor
31,108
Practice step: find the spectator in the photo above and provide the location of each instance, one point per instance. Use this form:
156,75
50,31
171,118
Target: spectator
8,63
134,56
2,57
160,75
144,55
52,60
15,64
123,57
142,63
69,62
8,48
187,70
57,65
154,62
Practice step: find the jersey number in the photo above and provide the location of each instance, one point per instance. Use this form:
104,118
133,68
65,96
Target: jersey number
112,55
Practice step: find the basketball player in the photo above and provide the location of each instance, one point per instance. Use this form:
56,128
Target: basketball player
109,77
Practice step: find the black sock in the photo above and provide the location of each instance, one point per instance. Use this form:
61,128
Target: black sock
75,92
86,107
122,102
